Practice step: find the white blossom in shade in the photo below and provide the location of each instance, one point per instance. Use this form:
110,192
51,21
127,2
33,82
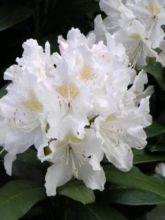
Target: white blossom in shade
160,169
116,11
137,24
74,158
101,28
138,87
137,45
152,14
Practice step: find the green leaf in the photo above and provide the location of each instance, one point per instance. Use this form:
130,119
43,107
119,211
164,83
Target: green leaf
154,130
18,197
156,149
157,71
13,14
134,197
78,191
30,157
136,179
3,91
24,170
28,167
99,212
141,156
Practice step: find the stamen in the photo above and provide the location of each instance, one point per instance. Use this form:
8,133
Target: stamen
33,104
153,8
68,91
86,73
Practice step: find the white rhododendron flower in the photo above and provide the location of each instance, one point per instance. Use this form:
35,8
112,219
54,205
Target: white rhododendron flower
137,24
21,110
73,157
151,13
75,107
137,44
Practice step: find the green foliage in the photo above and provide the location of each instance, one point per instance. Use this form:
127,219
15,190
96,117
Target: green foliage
17,197
78,191
157,71
135,197
143,156
24,192
136,179
154,130
98,212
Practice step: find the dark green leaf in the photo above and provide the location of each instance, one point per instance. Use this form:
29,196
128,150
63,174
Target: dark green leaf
3,91
24,170
27,166
135,197
141,156
154,130
78,191
11,15
30,157
136,179
99,212
18,197
157,71
157,149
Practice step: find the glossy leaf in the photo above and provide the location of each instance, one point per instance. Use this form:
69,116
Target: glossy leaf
98,211
156,149
157,71
30,157
3,91
136,179
135,197
154,130
18,197
78,191
142,156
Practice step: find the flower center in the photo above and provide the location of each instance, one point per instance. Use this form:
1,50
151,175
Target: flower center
86,73
33,104
135,36
110,118
68,91
153,8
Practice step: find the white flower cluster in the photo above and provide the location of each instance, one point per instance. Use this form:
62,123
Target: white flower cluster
75,107
137,24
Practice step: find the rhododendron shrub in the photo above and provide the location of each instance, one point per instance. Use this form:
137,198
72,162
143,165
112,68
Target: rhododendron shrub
81,119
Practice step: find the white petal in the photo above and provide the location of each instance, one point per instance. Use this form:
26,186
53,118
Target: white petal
92,178
120,156
137,137
160,169
57,175
8,161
